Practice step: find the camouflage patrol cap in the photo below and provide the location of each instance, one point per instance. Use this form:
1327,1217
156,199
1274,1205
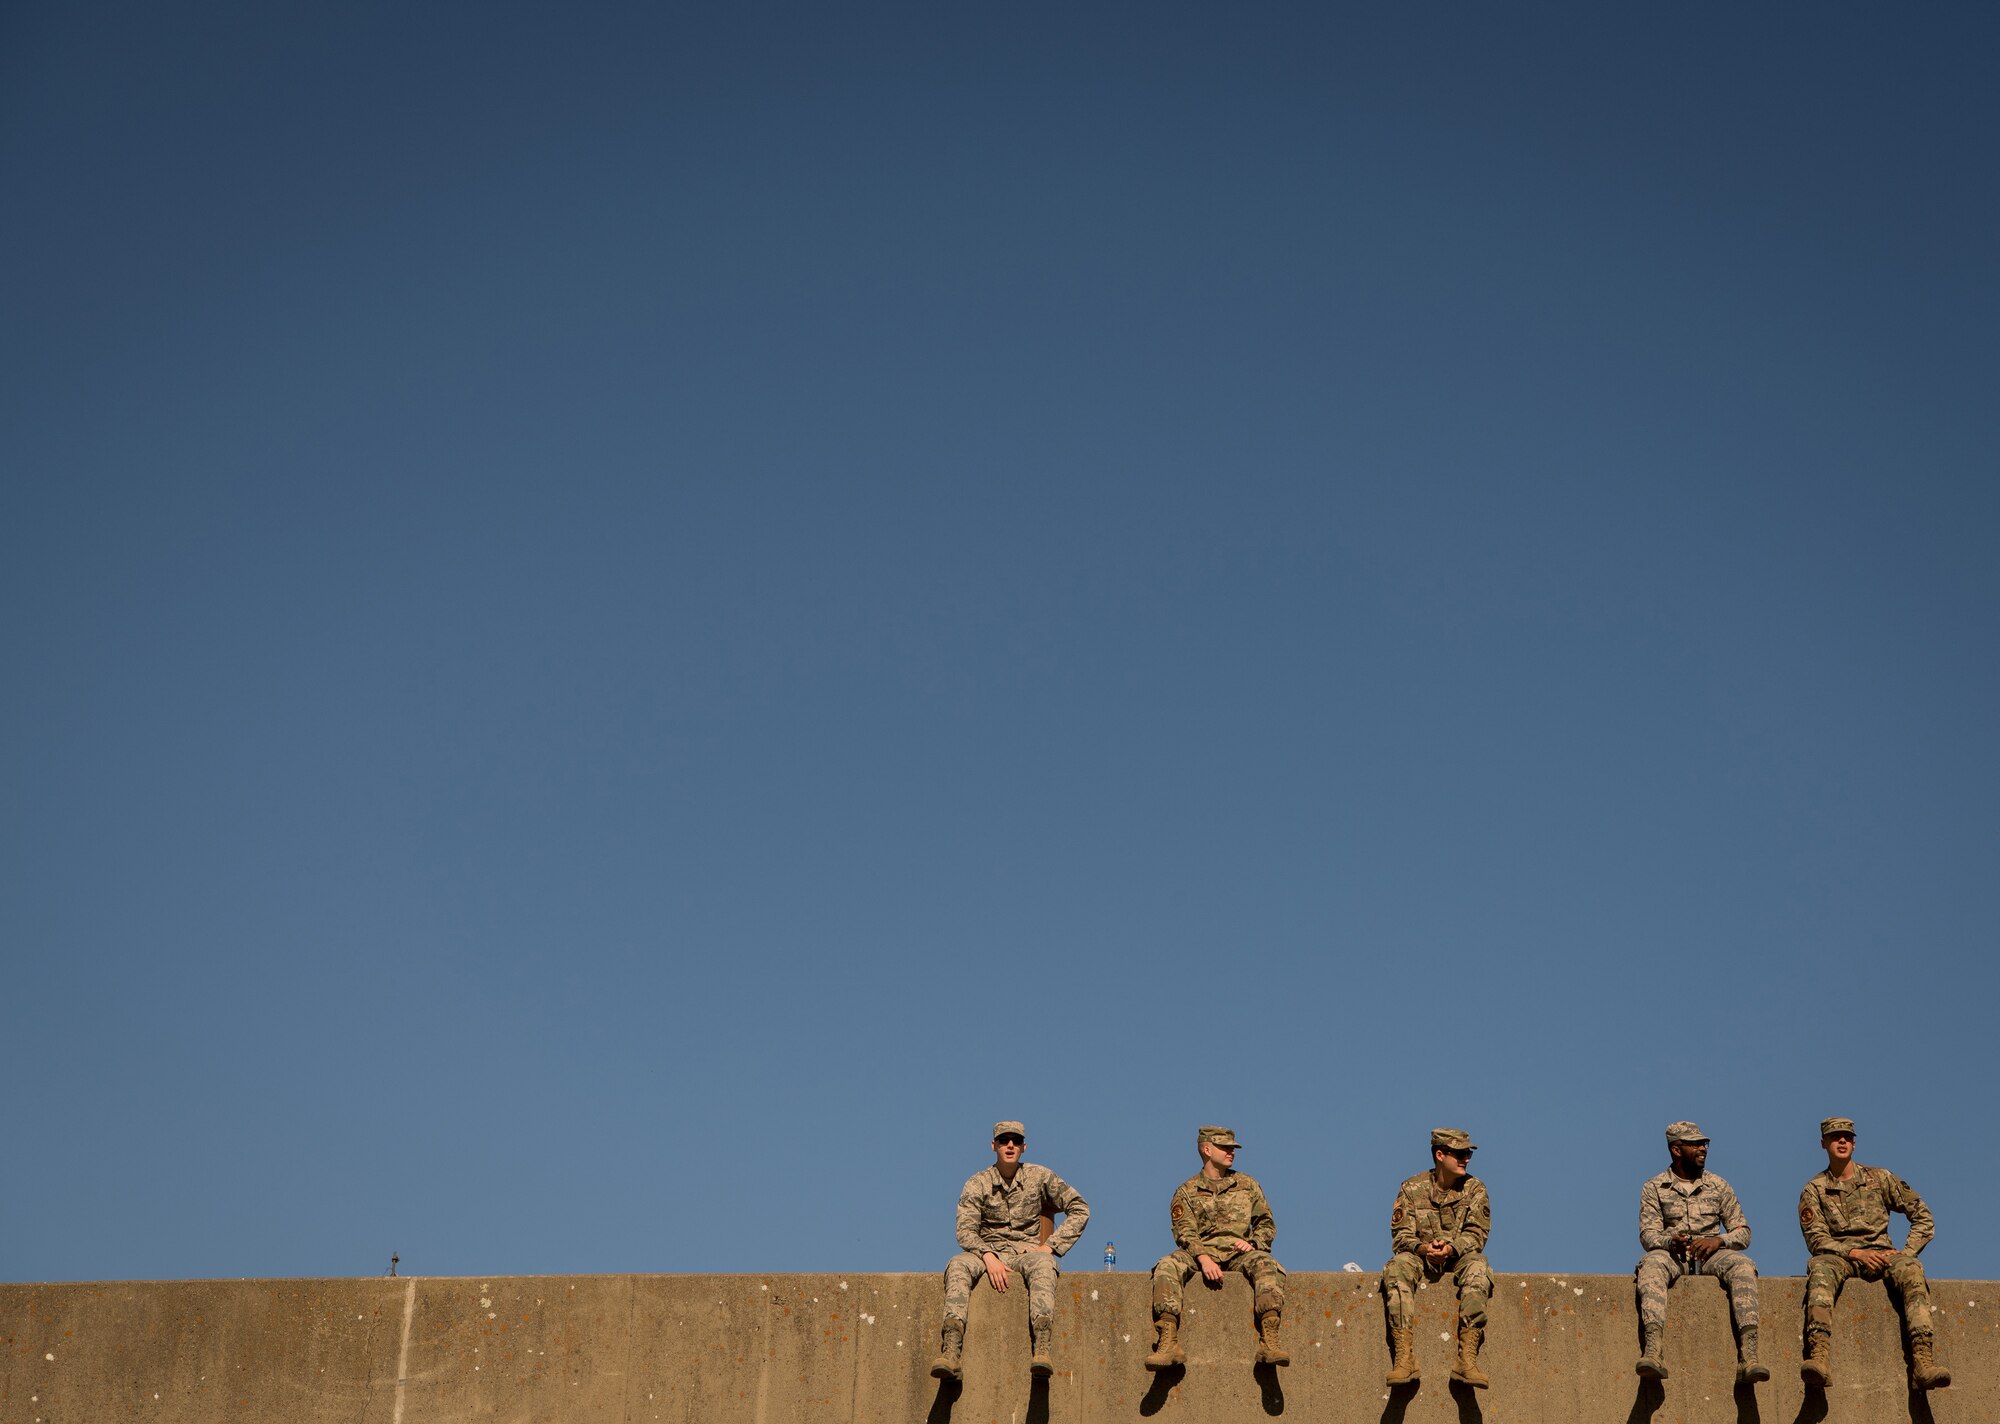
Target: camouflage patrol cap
1828,1126
1454,1138
1685,1132
1001,1129
1220,1136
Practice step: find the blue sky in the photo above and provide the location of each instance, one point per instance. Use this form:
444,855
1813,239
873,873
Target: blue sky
623,623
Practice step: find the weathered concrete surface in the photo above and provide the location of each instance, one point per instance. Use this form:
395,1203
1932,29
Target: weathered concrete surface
856,1349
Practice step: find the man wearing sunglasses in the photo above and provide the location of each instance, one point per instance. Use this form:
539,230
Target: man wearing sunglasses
1690,1224
1221,1222
1844,1213
1438,1228
999,1228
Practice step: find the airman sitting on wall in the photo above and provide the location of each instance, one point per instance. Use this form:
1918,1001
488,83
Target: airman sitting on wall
1439,1227
999,1226
1221,1222
1690,1224
1844,1213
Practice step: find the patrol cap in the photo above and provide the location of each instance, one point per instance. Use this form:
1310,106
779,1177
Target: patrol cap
1001,1129
1685,1132
1220,1136
1828,1126
1454,1138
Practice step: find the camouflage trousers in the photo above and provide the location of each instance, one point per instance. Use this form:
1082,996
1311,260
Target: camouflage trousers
1038,1268
1826,1274
1407,1268
1266,1276
1657,1270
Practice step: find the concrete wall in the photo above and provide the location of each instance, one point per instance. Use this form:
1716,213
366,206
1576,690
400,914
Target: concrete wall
855,1350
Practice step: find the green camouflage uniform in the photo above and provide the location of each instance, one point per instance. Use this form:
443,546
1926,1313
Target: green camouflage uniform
1842,1216
1005,1218
1670,1205
1208,1216
1425,1211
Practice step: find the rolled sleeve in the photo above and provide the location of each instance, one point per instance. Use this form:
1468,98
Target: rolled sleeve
1263,1226
968,1222
1060,1196
1922,1225
1185,1222
1653,1233
1736,1226
1402,1227
1478,1224
1812,1225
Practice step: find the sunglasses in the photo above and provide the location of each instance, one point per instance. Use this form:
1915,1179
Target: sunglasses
1011,1141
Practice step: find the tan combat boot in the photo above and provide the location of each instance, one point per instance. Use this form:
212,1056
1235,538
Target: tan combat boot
1269,1351
1650,1365
1925,1371
1748,1371
1167,1351
1467,1370
951,1350
1817,1368
1402,1368
1039,1363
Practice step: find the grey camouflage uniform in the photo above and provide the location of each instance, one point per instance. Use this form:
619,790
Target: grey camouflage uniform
1670,1205
1837,1217
1208,1216
1005,1218
1424,1211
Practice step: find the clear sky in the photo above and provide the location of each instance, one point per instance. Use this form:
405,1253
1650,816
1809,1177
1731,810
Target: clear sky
620,624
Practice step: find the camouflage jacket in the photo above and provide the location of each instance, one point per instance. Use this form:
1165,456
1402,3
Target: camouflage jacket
1425,1211
1208,1215
993,1213
1669,1204
1838,1217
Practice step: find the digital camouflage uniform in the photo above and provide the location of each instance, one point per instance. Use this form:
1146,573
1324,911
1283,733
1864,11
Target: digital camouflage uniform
1850,1215
1005,1218
1208,1215
1669,1206
1424,1211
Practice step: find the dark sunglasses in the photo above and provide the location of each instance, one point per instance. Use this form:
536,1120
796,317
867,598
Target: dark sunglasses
1463,1154
1010,1140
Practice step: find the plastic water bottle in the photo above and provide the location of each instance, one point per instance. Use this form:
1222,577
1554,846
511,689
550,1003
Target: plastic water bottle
1111,1255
